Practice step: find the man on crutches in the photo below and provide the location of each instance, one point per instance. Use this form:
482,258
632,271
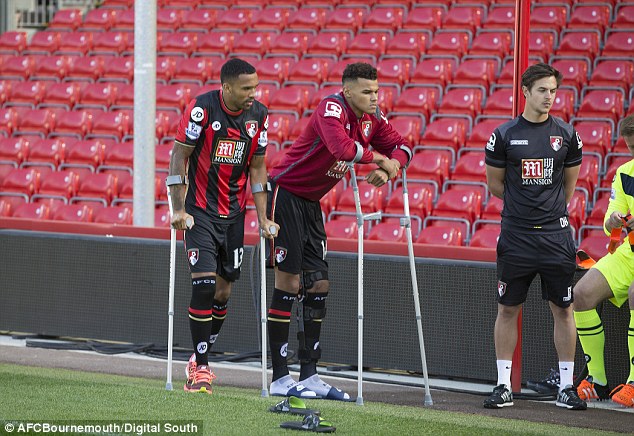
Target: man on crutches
339,133
222,139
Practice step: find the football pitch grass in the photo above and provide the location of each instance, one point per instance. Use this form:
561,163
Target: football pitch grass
39,394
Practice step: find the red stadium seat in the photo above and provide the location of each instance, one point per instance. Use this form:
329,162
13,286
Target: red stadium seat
408,42
88,69
17,67
31,211
43,152
618,43
67,20
476,72
75,43
13,42
199,20
368,43
577,209
172,97
98,20
114,125
462,101
464,17
424,17
251,223
344,228
564,104
600,103
43,42
87,154
61,185
541,43
290,43
589,174
8,121
75,123
482,131
98,188
119,215
613,73
434,71
446,132
597,214
236,19
388,17
161,216
575,71
119,155
214,44
579,43
178,44
329,43
493,209
274,69
125,21
192,70
25,181
548,17
470,167
624,16
409,127
596,135
165,66
349,18
590,16
307,18
454,43
162,154
52,68
110,43
256,43
168,20
595,246
491,44
14,149
72,213
97,95
271,18
459,203
500,102
279,127
389,232
27,94
419,99
395,70
309,70
441,235
485,238
38,122
430,164
371,199
500,17
420,200
293,98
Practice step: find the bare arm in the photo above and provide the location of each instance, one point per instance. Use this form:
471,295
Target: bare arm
570,180
257,174
178,162
495,180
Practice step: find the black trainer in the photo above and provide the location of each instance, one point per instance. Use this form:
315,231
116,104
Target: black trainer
501,397
569,399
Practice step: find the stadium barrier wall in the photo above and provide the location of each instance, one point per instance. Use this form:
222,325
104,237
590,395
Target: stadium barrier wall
116,289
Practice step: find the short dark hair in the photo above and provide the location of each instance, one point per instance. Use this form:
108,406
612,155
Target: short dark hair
232,69
627,126
359,70
539,71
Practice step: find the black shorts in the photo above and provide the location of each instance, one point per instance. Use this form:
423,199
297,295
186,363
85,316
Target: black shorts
215,247
520,257
301,242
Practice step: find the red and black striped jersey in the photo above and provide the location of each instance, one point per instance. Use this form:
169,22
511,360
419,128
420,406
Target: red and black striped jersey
224,143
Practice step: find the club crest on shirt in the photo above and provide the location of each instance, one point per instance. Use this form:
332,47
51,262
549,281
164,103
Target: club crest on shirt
366,127
556,142
252,127
192,255
280,254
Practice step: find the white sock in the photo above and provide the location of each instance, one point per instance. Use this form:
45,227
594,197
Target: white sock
565,374
504,372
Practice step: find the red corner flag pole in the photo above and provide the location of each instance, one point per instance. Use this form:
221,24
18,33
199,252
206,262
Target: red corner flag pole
520,58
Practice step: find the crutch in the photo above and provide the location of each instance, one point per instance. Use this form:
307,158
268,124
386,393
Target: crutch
407,223
360,219
273,231
170,305
265,391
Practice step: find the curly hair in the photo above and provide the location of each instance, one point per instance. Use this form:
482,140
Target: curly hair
359,70
232,69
